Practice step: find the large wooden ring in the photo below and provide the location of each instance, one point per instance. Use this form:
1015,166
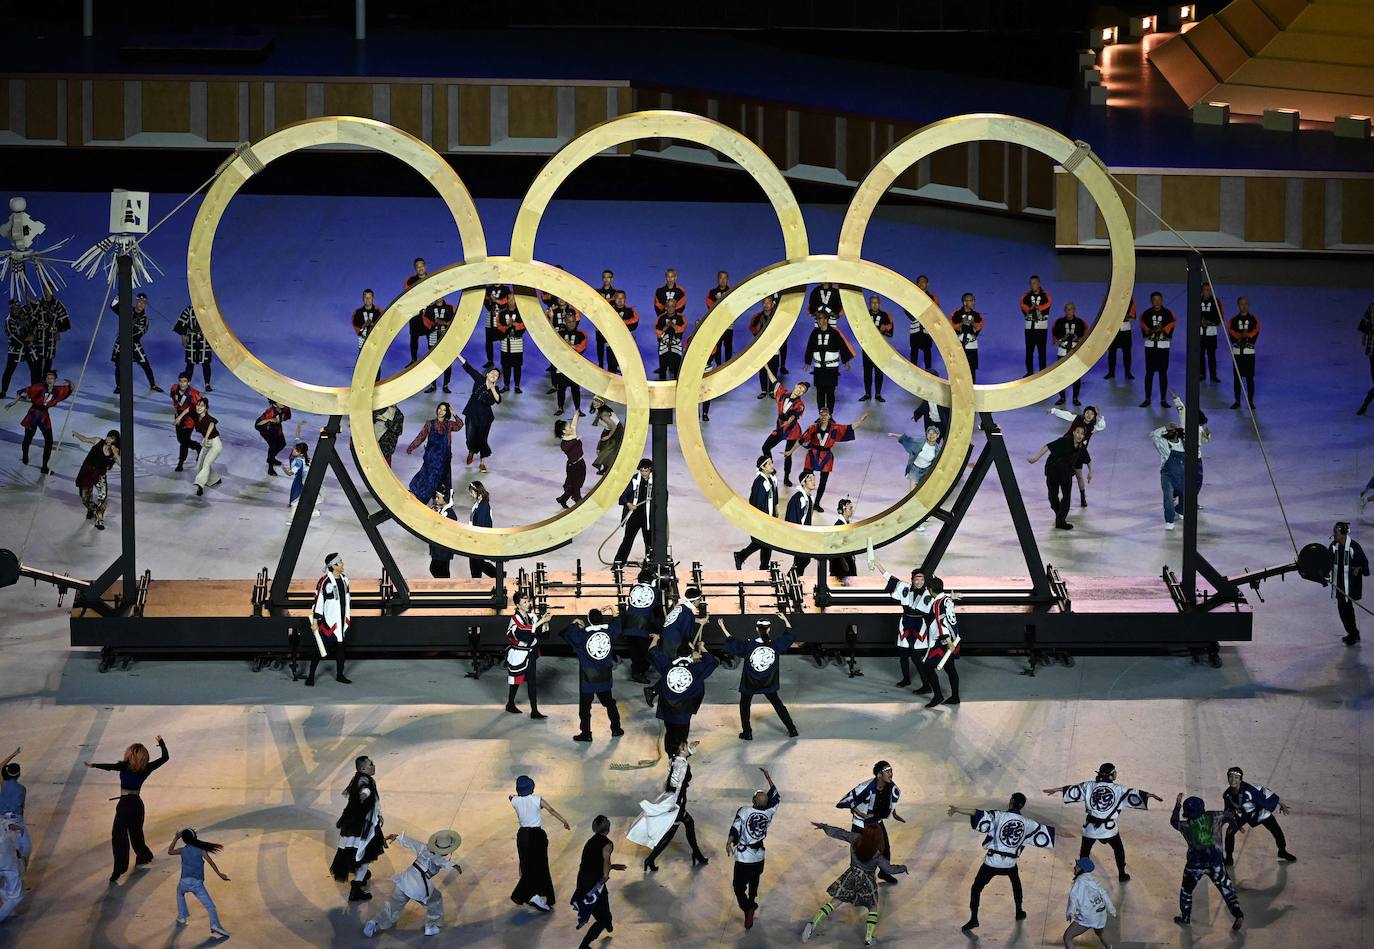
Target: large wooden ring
629,128
499,542
334,130
1076,158
831,540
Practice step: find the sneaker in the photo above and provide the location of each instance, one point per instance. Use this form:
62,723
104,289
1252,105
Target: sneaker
582,736
1235,405
447,390
808,931
432,388
920,528
1168,525
482,468
1123,878
764,395
1077,403
431,930
746,736
155,389
617,732
1145,404
217,931
881,399
865,397
538,716
1020,913
519,391
1285,855
538,903
1183,920
1239,921
971,924
209,388
182,920
369,929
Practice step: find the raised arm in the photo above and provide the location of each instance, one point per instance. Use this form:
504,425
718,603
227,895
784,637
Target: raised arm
162,760
12,755
172,848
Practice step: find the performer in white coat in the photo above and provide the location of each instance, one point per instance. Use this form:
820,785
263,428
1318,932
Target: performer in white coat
1103,800
658,819
1005,835
1088,905
330,616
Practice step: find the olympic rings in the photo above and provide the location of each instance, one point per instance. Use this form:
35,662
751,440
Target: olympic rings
1077,159
498,542
628,128
366,133
837,539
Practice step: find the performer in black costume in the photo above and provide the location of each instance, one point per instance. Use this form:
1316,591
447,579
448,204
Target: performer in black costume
641,619
361,840
591,643
194,344
759,673
127,830
1201,828
636,503
763,496
591,898
1254,806
140,327
872,802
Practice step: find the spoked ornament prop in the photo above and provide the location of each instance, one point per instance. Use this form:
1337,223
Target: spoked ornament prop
128,221
21,264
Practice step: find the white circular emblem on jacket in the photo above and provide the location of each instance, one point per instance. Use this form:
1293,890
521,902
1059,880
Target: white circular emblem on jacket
1012,833
598,645
641,596
762,658
679,679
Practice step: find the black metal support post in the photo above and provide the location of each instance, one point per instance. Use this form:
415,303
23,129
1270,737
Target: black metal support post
355,500
125,274
305,508
1192,395
659,420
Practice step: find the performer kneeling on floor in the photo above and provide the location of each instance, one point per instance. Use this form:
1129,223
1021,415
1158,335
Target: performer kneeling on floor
1201,828
591,643
1254,806
759,674
747,833
331,615
857,884
360,831
1103,800
681,687
658,820
1005,835
872,802
413,883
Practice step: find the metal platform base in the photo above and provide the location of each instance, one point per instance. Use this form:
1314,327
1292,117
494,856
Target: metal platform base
196,619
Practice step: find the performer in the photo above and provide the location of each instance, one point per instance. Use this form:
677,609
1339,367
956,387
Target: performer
636,502
931,414
511,329
440,557
364,319
127,831
669,328
1244,330
968,326
387,424
418,325
944,647
612,433
436,470
330,616
787,429
1121,343
577,340
477,412
194,344
872,802
535,886
1168,441
921,341
496,299
1005,835
763,496
591,898
759,673
41,398
479,515
140,327
590,641
207,427
825,299
681,687
522,654
1157,324
439,316
725,346
1035,310
641,620
819,440
914,629
683,621
857,885
658,820
15,850
19,333
776,365
670,298
1102,800
361,840
184,399
432,857
1366,330
1088,905
268,424
799,509
920,455
873,376
49,321
746,840
195,854
608,293
1069,333
92,481
1349,566
1253,807
13,795
1200,828
1211,315
1090,421
559,312
1065,453
826,349
298,467
842,568
629,317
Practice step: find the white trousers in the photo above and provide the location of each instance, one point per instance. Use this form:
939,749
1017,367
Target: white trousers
11,893
205,471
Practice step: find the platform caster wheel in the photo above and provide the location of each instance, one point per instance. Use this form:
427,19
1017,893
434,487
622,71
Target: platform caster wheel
257,664
124,663
106,662
278,665
1069,660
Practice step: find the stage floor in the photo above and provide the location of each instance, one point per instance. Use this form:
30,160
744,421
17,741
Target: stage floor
258,762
